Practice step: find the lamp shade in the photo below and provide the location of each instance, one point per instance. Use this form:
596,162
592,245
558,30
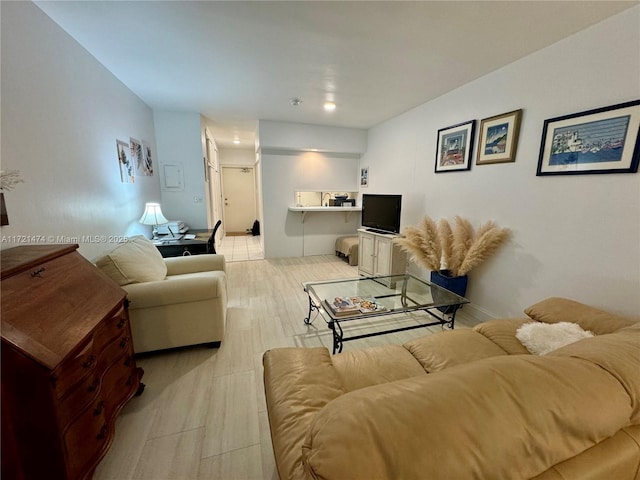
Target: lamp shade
152,215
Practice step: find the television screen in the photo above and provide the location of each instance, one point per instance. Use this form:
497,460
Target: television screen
381,212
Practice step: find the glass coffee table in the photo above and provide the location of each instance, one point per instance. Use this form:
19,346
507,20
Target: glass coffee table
392,295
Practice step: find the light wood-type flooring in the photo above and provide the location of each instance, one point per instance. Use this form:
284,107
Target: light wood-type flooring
203,412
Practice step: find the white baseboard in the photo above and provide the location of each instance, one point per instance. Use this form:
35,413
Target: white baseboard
474,314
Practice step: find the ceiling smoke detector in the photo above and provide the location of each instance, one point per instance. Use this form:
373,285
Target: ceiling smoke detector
295,102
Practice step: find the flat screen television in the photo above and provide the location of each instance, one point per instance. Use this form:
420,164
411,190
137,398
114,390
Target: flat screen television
381,213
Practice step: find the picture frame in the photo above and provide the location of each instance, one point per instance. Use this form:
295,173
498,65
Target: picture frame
364,177
603,140
136,154
126,163
147,159
455,146
498,140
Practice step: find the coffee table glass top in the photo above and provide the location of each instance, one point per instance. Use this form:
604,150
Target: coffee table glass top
397,293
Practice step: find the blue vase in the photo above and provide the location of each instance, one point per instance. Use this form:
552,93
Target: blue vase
457,285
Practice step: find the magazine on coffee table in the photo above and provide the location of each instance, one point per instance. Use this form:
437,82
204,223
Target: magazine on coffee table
345,306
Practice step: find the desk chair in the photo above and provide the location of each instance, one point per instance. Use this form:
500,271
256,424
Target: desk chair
211,243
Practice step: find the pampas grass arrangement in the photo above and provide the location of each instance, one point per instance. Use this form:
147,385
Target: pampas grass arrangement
458,249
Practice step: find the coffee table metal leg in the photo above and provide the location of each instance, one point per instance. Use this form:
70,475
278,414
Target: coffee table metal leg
312,307
336,329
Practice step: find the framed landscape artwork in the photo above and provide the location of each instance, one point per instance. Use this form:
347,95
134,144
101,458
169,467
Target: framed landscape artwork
499,138
604,140
455,145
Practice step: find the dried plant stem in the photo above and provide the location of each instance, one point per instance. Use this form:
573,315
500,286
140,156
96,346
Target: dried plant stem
484,246
459,249
445,236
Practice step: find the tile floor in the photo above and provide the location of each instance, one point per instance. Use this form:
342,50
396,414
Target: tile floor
203,413
240,248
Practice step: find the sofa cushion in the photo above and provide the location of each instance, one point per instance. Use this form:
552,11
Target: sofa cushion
135,261
541,338
486,419
503,334
449,348
363,368
554,310
617,353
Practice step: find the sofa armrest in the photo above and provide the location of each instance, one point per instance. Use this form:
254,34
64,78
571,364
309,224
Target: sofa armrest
195,263
556,309
298,383
177,289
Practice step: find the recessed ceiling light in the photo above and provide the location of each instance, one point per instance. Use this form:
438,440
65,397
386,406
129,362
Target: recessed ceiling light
329,106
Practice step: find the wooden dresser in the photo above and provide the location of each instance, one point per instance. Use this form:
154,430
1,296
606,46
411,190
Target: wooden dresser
67,362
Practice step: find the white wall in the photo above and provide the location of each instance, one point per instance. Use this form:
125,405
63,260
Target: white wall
575,236
237,156
275,136
282,175
62,112
286,168
180,142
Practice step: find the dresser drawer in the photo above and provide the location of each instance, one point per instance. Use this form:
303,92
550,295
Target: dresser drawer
119,382
74,369
85,437
77,398
110,329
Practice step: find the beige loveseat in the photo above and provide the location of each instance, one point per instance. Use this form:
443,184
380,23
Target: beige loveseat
173,302
463,404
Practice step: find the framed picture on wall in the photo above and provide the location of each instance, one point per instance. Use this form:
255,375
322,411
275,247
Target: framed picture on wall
604,140
455,145
137,155
147,159
127,166
364,176
499,138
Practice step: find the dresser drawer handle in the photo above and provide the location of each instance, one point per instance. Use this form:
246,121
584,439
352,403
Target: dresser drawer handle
103,433
37,273
123,342
98,410
94,386
90,361
122,323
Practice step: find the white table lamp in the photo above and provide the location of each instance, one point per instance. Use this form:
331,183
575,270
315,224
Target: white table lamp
153,216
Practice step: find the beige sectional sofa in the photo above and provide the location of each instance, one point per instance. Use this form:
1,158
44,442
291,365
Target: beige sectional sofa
173,302
463,404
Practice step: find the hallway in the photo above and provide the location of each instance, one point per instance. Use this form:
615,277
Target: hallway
240,248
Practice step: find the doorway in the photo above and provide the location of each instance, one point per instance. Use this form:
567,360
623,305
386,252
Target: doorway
239,199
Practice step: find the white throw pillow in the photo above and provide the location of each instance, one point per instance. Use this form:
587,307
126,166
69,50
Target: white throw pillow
542,338
135,261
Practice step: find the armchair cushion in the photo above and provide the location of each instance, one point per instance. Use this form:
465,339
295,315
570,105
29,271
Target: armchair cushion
135,261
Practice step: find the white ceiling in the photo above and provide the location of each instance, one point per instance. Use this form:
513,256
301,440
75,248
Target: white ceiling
237,62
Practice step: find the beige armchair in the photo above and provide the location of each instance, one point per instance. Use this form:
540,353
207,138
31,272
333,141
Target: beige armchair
173,302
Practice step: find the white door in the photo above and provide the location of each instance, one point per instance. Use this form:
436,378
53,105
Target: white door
383,256
366,254
239,196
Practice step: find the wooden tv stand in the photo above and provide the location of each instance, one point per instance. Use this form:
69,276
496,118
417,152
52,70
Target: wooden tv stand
379,255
